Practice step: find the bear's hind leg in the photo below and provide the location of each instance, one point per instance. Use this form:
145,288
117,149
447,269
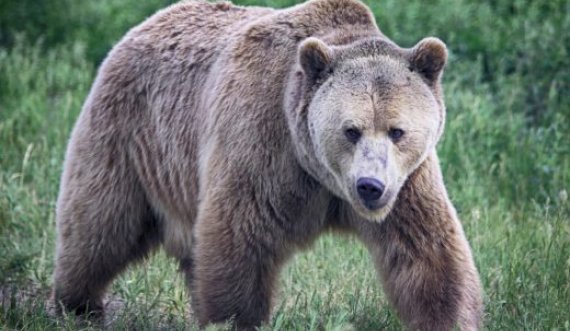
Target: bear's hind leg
104,222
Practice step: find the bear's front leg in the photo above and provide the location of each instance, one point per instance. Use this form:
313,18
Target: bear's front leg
237,258
423,258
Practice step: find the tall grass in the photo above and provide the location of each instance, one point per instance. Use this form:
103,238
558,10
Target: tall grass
505,157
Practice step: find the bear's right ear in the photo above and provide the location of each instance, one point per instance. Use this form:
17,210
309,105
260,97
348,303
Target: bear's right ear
428,58
315,58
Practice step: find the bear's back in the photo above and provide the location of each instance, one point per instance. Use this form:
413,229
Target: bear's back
191,26
197,73
177,43
143,103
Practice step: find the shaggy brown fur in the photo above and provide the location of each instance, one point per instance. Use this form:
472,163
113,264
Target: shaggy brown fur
220,132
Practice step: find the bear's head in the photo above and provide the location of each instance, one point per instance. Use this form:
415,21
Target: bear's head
363,116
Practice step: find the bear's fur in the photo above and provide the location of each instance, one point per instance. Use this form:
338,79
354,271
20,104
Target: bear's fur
233,136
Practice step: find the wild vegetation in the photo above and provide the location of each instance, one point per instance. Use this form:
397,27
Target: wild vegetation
505,156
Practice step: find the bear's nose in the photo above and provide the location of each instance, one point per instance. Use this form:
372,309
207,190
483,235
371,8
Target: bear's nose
369,189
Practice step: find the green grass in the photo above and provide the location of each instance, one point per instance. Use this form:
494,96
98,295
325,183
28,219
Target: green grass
505,157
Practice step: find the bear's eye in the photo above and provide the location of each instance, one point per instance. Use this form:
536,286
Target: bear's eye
395,134
352,134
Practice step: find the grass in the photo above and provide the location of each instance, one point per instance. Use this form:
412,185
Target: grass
505,157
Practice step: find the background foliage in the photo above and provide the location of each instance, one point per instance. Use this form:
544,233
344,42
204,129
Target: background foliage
505,156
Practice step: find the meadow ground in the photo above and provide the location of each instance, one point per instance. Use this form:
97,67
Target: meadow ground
505,156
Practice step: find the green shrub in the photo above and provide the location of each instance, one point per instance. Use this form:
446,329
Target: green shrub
98,24
41,93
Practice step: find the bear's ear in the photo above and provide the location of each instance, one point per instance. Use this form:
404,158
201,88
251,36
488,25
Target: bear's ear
428,58
315,58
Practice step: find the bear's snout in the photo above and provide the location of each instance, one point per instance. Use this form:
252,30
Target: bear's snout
370,190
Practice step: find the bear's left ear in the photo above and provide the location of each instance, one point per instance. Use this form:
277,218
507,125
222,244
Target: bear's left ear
315,58
428,58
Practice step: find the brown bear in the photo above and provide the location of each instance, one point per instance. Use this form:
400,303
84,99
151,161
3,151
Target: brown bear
233,136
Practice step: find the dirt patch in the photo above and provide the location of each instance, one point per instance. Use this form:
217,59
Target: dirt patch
21,303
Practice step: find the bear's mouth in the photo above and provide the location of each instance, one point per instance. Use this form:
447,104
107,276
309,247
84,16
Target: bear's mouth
376,210
373,205
376,205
